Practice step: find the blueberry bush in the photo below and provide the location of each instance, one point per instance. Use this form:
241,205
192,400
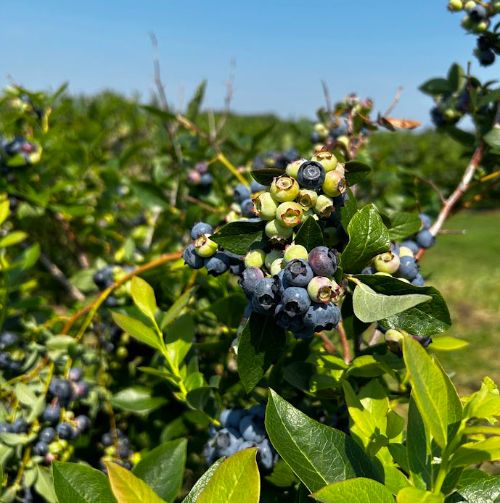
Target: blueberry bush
201,307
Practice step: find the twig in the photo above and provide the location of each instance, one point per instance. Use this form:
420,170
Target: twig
346,350
328,99
395,101
327,343
227,98
455,196
58,275
433,185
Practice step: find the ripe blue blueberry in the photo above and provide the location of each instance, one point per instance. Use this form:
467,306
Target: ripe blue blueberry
249,279
82,423
206,180
297,273
408,268
52,413
201,228
478,13
426,220
8,339
295,301
252,429
323,261
258,410
257,187
485,57
20,426
230,418
286,321
418,280
5,428
265,296
75,374
247,208
107,439
241,192
425,239
311,175
47,435
265,454
322,317
60,388
227,441
40,448
65,431
412,245
217,264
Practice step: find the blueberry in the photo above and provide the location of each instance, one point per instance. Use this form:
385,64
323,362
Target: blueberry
257,187
75,374
258,410
368,270
303,333
486,58
230,418
322,317
438,117
201,228
425,239
295,301
408,268
20,426
47,435
418,280
5,361
247,208
249,279
251,430
5,428
103,277
107,439
217,264
227,441
323,261
265,455
478,13
206,180
82,423
8,339
41,448
192,259
412,245
266,295
65,431
426,220
60,388
123,450
52,413
241,193
311,175
81,390
284,320
297,273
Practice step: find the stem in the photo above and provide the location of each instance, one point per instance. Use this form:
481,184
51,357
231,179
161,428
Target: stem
346,350
57,274
232,168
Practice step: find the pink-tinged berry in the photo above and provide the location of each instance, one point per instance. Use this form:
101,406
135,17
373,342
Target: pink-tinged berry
320,289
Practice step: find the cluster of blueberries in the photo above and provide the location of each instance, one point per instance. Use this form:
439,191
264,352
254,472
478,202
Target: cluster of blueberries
12,354
117,448
478,20
324,134
401,260
17,152
283,279
241,429
105,277
275,159
200,177
243,201
60,428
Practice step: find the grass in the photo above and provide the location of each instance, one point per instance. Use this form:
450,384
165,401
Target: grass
466,269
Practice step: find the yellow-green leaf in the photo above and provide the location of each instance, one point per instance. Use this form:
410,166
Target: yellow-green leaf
447,343
237,480
144,297
127,488
138,330
358,490
4,210
414,495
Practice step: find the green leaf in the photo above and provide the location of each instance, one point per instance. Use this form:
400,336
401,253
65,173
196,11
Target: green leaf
138,330
13,238
484,490
201,483
137,399
4,210
265,176
194,105
282,475
359,490
238,237
176,308
417,443
144,297
474,453
447,343
492,138
349,209
127,488
162,114
78,483
309,234
485,403
456,77
44,485
206,400
368,237
163,468
414,495
260,345
435,87
229,309
179,339
356,172
316,453
236,480
490,96
403,224
435,397
426,319
371,306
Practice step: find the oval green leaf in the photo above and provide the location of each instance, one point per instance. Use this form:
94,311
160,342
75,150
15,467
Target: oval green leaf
359,490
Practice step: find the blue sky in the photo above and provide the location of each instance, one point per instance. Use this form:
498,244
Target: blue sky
282,49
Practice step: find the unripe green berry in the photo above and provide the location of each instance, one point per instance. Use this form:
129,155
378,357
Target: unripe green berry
293,168
324,206
271,257
481,27
255,258
496,7
326,159
289,214
343,141
321,129
455,5
307,198
469,5
334,184
284,188
265,206
320,289
386,262
277,266
295,251
205,247
467,23
405,252
276,230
